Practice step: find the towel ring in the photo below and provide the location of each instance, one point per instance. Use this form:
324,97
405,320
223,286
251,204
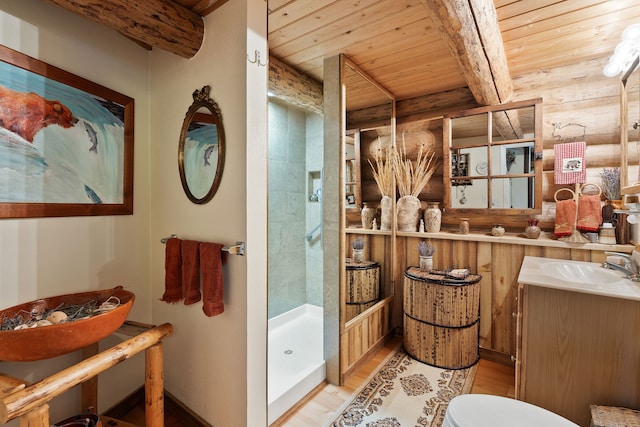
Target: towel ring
594,185
573,194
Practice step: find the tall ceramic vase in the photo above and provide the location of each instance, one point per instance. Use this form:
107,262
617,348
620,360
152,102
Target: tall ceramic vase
386,208
367,214
432,217
408,213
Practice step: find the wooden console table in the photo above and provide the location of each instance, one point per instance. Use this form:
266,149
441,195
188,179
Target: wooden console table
30,402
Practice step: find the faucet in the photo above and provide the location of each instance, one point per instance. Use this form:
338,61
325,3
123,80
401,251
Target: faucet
630,268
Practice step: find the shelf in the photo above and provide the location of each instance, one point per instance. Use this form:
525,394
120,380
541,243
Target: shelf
363,231
546,239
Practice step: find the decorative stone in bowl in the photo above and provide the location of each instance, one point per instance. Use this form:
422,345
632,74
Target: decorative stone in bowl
43,342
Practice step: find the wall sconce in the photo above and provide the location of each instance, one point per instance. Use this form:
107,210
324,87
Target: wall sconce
626,51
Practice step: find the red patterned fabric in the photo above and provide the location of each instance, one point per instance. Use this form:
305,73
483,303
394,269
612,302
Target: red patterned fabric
569,165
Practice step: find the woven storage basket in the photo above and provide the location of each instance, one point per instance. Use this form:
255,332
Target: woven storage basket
363,282
363,286
612,416
441,318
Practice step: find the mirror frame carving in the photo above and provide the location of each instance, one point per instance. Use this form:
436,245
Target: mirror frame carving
487,216
201,100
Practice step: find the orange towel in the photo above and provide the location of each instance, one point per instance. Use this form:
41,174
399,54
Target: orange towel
212,258
172,271
589,213
565,217
190,271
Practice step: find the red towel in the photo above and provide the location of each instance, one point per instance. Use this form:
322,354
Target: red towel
565,217
589,213
212,258
172,271
190,271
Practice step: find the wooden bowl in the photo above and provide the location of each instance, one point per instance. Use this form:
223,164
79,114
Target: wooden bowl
45,342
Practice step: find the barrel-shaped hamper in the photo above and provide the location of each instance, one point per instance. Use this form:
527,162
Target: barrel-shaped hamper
363,286
442,318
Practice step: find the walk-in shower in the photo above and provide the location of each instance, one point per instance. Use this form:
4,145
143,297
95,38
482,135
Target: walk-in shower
295,356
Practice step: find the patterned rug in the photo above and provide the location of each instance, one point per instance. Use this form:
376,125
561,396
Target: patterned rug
404,392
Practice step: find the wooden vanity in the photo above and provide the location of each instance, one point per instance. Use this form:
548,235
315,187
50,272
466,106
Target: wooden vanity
576,344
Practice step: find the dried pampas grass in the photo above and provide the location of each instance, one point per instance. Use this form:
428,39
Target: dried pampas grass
383,170
412,178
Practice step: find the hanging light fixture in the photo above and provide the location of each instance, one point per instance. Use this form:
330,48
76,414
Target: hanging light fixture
626,51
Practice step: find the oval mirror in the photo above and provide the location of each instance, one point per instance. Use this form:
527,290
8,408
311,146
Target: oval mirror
201,148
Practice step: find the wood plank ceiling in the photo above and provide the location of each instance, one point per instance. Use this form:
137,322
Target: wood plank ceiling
413,48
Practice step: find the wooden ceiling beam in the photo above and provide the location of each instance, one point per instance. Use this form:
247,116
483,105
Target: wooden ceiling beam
470,30
293,87
162,24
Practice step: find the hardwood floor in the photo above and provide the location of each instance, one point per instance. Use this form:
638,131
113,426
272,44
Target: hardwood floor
491,378
130,413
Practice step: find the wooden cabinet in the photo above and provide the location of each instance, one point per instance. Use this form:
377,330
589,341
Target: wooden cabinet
577,349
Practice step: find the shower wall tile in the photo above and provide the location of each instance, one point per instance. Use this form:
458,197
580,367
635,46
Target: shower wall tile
314,162
286,209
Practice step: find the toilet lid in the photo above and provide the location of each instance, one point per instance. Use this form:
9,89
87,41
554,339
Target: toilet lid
481,410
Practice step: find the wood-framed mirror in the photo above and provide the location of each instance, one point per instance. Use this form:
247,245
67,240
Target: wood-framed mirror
201,149
493,161
629,122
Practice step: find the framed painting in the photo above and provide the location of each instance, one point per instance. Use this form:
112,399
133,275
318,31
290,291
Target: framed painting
66,143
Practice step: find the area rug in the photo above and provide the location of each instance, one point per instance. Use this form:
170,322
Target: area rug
404,392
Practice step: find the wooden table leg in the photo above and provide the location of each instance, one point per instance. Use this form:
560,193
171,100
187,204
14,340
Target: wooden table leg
39,417
154,386
89,388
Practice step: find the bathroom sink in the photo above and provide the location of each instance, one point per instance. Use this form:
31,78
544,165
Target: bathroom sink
577,276
44,342
585,273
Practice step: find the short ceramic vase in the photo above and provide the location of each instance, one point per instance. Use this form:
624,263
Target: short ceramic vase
432,217
367,214
358,256
532,231
426,263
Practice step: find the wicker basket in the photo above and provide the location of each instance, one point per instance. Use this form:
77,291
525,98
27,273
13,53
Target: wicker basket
612,416
363,287
441,301
442,319
440,346
363,282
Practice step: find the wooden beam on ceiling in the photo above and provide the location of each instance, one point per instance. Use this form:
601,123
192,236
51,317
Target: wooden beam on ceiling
293,87
157,23
470,30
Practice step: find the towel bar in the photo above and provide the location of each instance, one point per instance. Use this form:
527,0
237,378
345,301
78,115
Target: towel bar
237,249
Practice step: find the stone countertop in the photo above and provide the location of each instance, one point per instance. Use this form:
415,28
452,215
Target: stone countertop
577,276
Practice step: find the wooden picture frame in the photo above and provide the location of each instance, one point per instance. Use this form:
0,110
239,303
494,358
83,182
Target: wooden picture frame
66,143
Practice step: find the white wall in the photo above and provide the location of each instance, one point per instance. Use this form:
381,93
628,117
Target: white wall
53,256
217,366
208,359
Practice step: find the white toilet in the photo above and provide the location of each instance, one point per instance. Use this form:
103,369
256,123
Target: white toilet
481,410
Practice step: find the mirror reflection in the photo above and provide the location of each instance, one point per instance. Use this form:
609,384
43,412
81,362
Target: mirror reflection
368,131
492,158
201,148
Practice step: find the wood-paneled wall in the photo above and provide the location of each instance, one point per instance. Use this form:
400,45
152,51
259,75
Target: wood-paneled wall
572,96
498,260
365,333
